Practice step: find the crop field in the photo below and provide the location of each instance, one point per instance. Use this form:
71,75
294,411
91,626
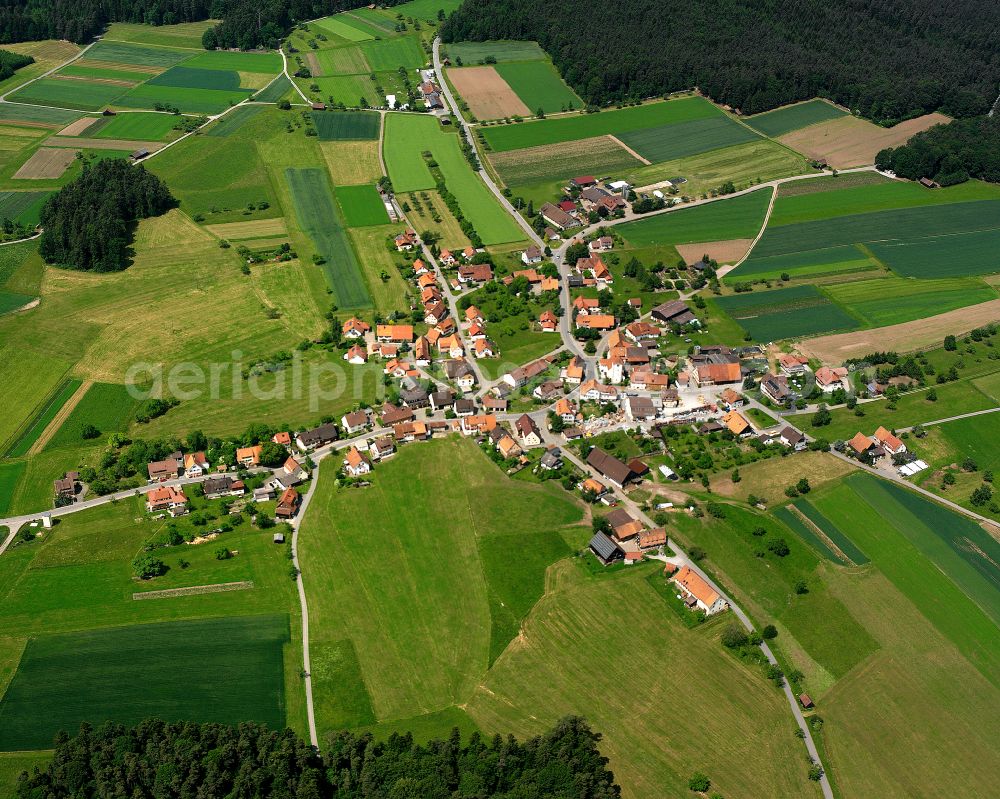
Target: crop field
599,155
346,126
814,263
144,127
346,89
943,256
426,9
256,228
48,54
10,476
352,162
43,416
234,120
378,19
69,94
831,531
794,522
943,562
683,139
185,34
407,137
321,221
107,406
274,90
474,52
486,93
127,674
46,163
123,53
185,77
585,126
192,100
224,60
792,117
539,86
22,206
737,218
100,72
56,117
388,55
785,313
339,26
361,206
892,300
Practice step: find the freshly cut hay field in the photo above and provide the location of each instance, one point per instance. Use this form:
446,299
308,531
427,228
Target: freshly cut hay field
539,86
234,120
735,218
250,229
126,674
22,206
338,26
943,256
46,163
30,114
388,55
684,139
725,252
69,94
784,313
891,300
361,206
123,53
346,125
850,141
488,95
415,600
321,221
352,162
601,154
792,117
574,637
585,126
349,60
148,127
185,34
107,406
78,127
474,52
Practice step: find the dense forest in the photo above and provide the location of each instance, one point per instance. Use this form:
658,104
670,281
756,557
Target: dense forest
11,62
887,59
949,154
157,760
88,224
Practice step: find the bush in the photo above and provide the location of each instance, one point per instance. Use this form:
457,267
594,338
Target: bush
770,632
147,567
699,782
223,553
778,546
734,636
89,431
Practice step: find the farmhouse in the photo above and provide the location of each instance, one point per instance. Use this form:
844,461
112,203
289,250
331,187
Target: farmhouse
674,312
606,550
623,526
556,216
775,387
648,539
317,437
288,504
863,446
583,182
168,498
518,377
714,374
610,467
889,442
223,486
65,487
644,380
640,409
594,321
697,592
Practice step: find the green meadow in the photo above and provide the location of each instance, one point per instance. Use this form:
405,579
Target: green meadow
539,85
785,120
361,206
107,406
138,126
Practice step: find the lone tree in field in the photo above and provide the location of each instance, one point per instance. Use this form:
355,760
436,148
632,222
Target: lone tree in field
89,223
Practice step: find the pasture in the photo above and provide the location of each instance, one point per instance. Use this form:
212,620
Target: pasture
736,218
361,206
391,293
224,60
274,91
107,406
185,34
127,674
346,126
584,126
187,99
39,378
539,85
341,27
786,313
600,155
10,476
321,221
233,121
792,117
426,10
683,139
349,60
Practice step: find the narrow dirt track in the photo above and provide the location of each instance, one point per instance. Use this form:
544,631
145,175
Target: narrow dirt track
60,417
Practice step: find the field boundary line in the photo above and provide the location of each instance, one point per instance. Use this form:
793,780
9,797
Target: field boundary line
40,408
164,46
214,588
628,149
57,421
820,534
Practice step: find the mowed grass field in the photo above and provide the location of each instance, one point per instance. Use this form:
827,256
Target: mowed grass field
792,117
121,674
107,406
431,598
737,218
43,416
138,126
786,313
407,136
361,206
350,126
320,219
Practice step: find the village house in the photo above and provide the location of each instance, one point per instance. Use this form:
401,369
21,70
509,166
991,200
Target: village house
394,333
288,504
551,459
557,217
606,550
169,498
477,425
640,409
611,369
461,373
890,443
592,321
354,328
436,313
532,255
737,424
730,399
406,241
528,430
593,391
793,439
775,388
392,415
284,438
793,365
355,421
508,447
864,447
65,487
195,464
317,437
166,469
623,526
410,431
671,398
714,374
422,351
475,273
356,464
248,457
223,486
520,376
583,306
609,467
446,258
549,322
602,244
651,539
642,332
484,348
696,591
572,373
441,399
420,267
644,380
464,407
415,398
382,447
356,355
830,380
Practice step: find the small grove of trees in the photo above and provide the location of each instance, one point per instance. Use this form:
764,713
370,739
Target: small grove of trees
157,759
88,223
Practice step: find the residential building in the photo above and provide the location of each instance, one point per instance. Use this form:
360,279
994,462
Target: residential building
532,255
528,430
356,464
890,443
248,457
288,504
223,486
317,437
169,498
792,438
830,379
195,464
697,592
606,550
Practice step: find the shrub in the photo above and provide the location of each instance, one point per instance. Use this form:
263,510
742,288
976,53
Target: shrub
770,632
734,636
146,567
699,782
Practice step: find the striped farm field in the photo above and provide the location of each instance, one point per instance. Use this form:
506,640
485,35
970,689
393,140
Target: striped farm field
736,218
256,228
274,90
10,476
600,155
348,60
829,261
186,77
831,531
585,126
474,52
792,117
125,53
43,416
683,139
892,300
22,206
339,26
107,406
192,100
224,60
56,117
69,94
361,206
138,126
786,313
234,120
46,163
384,55
948,255
346,125
373,17
78,71
185,34
539,86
